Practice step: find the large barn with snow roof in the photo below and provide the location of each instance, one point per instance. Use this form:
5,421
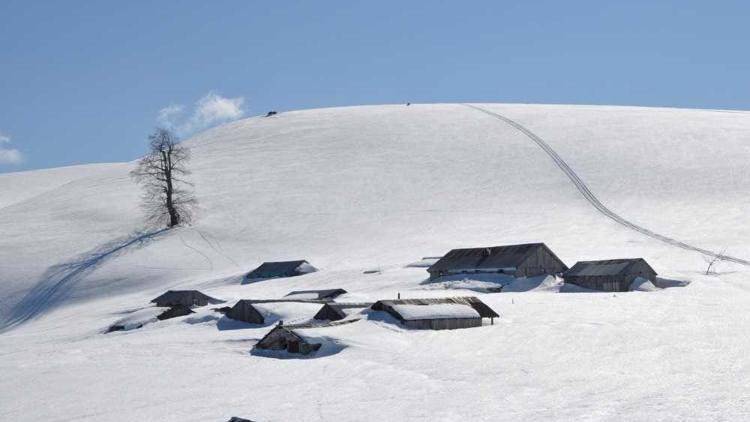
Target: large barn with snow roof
610,275
437,313
527,260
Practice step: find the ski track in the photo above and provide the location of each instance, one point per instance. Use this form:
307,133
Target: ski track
198,251
593,200
216,247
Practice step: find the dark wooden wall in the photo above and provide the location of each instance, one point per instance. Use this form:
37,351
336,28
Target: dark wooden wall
443,324
614,283
244,311
540,262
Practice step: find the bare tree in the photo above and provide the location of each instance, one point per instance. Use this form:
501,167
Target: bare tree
168,198
713,260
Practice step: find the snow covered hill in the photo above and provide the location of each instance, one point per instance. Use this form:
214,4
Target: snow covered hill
379,187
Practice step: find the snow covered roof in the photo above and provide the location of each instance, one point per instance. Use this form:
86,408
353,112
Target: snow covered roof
315,294
286,311
425,262
477,305
336,311
435,311
184,297
282,269
607,267
494,257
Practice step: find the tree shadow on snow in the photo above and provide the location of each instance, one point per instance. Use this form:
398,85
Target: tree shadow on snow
60,279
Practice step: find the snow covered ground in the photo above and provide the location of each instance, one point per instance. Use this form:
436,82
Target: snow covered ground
352,189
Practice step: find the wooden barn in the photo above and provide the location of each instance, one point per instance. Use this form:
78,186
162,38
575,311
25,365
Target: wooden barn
185,298
281,269
244,310
438,313
610,275
527,260
286,338
328,294
338,311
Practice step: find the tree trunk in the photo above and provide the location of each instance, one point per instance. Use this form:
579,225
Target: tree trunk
174,217
166,201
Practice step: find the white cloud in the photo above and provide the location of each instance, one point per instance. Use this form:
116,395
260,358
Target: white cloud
8,155
213,109
169,114
210,110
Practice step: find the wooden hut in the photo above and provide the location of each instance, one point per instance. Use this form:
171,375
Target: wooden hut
185,298
174,312
438,313
328,294
286,338
527,260
281,269
338,311
244,310
139,318
611,275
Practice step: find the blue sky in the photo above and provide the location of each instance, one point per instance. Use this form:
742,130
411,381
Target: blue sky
86,81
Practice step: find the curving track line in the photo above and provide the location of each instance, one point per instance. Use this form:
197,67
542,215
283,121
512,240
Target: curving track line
593,200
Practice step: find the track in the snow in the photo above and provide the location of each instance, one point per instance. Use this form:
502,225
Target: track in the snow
593,200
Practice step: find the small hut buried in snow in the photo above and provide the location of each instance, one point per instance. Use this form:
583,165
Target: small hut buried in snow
266,312
184,298
339,311
174,312
244,310
281,269
139,318
438,313
328,294
527,260
611,275
286,338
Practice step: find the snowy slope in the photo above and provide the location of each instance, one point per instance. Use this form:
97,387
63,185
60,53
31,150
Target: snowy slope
358,188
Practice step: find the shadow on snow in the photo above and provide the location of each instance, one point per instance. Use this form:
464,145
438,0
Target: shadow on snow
59,279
